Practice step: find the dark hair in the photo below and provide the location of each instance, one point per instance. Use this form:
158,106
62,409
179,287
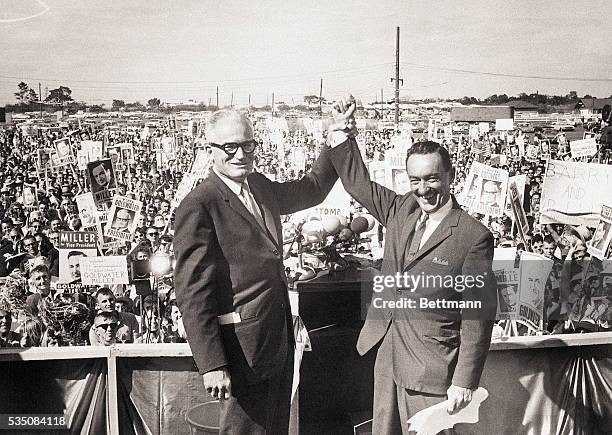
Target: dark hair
75,253
537,238
549,239
430,147
105,291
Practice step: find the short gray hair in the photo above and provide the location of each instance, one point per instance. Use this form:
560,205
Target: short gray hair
227,114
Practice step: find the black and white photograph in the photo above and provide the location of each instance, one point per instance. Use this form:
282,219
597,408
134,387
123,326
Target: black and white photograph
290,217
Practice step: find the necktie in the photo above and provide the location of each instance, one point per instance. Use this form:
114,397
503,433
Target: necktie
415,244
249,202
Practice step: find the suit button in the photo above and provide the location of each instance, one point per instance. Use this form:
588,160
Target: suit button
275,252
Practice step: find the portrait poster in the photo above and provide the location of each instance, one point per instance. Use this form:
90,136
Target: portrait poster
123,218
545,149
88,211
114,153
102,180
534,270
82,157
599,243
127,153
43,161
507,276
29,197
485,190
63,150
73,246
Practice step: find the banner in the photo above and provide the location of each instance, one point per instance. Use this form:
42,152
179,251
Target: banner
200,165
598,245
534,270
73,246
504,124
101,271
583,148
298,157
574,192
337,203
185,186
518,212
519,181
123,218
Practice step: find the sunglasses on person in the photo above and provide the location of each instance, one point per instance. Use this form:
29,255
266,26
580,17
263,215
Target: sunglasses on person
231,148
106,326
29,245
152,233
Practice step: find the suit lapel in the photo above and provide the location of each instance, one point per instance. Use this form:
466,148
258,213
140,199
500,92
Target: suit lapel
258,194
444,230
234,202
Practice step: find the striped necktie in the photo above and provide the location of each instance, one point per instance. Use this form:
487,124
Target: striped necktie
251,205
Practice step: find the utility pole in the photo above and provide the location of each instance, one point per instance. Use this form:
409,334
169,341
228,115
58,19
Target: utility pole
40,98
217,97
397,78
272,104
382,104
321,98
249,100
232,100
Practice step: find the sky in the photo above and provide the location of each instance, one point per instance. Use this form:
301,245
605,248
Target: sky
179,51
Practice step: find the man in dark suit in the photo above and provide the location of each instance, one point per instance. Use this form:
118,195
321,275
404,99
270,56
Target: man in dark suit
427,353
230,281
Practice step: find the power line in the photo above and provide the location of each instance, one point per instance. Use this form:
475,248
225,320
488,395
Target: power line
518,76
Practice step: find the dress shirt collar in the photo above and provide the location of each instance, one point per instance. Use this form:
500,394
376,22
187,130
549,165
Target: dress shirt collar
234,186
441,213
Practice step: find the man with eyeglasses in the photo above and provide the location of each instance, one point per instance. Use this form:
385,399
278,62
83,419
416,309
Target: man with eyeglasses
127,324
230,280
104,329
123,219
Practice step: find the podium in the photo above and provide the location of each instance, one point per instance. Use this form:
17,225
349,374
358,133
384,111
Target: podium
336,383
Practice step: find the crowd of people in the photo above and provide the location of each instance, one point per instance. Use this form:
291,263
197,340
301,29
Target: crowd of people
34,313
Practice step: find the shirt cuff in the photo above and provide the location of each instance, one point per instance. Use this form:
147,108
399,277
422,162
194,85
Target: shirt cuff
337,137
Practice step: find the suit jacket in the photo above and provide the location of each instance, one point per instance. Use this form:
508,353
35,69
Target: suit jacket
432,348
226,262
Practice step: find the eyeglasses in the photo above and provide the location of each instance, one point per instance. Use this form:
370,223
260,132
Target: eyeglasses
152,234
107,325
231,148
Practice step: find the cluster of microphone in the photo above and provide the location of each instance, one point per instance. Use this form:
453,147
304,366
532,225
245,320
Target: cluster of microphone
315,231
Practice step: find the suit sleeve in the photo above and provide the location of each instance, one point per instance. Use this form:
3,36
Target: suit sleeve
196,250
381,202
477,323
310,190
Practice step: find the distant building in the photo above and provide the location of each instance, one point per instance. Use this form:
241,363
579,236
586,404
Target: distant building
481,113
588,107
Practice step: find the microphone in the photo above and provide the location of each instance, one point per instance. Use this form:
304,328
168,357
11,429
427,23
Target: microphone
359,225
331,225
